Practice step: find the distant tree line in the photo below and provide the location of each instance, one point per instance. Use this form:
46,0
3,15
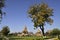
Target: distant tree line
53,32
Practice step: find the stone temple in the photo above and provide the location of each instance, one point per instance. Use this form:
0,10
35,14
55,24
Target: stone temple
38,33
25,32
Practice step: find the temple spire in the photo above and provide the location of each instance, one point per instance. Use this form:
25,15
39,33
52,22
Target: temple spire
25,29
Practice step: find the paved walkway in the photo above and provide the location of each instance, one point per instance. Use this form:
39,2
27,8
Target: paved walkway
50,39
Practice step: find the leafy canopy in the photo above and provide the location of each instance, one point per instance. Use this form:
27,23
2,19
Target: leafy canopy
40,14
5,30
55,31
2,4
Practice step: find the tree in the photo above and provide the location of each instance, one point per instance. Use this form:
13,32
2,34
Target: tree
5,30
2,4
55,32
40,14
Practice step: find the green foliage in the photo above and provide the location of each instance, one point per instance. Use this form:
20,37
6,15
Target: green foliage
5,30
2,4
55,32
40,14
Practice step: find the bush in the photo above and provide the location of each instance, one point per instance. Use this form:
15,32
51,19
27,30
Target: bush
55,32
5,30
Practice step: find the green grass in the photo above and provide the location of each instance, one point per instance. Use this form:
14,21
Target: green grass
26,38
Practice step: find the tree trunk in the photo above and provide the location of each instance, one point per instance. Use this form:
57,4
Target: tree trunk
42,29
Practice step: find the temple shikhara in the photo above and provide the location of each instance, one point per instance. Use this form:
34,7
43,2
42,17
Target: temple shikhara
25,32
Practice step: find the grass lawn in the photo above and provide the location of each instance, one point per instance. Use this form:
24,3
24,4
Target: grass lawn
29,38
26,38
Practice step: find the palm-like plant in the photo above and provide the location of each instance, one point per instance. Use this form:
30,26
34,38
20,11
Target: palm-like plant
40,14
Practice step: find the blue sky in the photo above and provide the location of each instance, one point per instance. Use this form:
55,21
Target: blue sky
16,15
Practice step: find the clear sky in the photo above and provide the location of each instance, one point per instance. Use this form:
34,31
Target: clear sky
16,15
